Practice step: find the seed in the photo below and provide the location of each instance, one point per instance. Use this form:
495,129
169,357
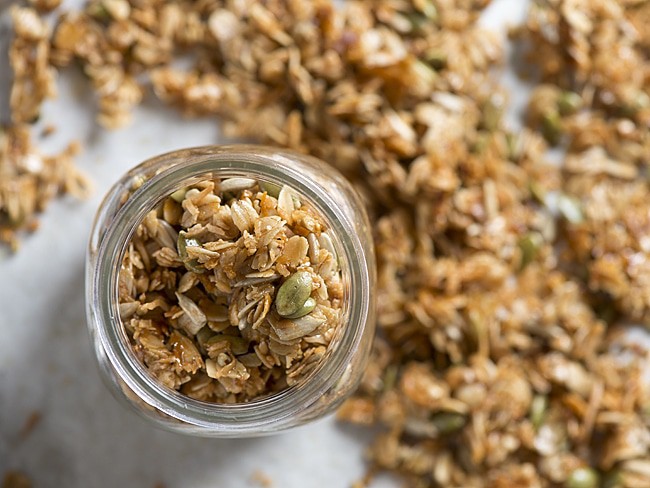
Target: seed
416,22
236,184
537,192
492,113
179,195
514,146
529,246
307,307
172,211
569,103
293,294
271,189
137,182
314,248
98,11
448,422
326,243
481,143
612,479
570,209
552,127
182,244
639,102
538,410
429,9
288,201
583,478
436,59
390,377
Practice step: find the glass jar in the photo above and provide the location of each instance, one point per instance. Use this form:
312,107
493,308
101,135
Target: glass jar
144,188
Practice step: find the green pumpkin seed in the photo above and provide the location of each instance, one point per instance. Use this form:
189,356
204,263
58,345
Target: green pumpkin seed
538,409
552,127
293,294
492,113
569,103
182,244
307,307
639,102
448,422
583,478
418,21
98,11
271,189
537,191
481,143
436,59
390,377
513,143
529,246
612,479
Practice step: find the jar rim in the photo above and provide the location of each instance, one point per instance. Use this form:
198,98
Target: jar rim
109,240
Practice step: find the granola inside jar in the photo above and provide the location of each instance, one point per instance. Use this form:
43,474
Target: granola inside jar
230,289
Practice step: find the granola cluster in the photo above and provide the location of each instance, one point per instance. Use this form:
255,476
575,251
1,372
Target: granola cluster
29,179
505,282
594,57
231,290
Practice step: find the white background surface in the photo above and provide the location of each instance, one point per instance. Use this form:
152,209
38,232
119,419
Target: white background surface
85,437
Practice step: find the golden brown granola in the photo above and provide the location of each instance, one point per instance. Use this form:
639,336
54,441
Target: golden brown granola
29,180
228,292
594,57
34,76
503,281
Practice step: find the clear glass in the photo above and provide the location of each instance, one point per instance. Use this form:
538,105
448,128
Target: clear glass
145,187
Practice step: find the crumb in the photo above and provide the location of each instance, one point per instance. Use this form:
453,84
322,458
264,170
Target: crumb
30,424
48,130
261,479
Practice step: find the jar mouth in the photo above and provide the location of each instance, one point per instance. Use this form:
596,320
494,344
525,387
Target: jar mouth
110,239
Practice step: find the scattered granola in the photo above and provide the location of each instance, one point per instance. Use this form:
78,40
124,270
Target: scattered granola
229,293
594,57
29,55
504,282
29,180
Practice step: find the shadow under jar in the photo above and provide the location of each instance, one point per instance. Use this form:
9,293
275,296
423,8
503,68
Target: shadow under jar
336,204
